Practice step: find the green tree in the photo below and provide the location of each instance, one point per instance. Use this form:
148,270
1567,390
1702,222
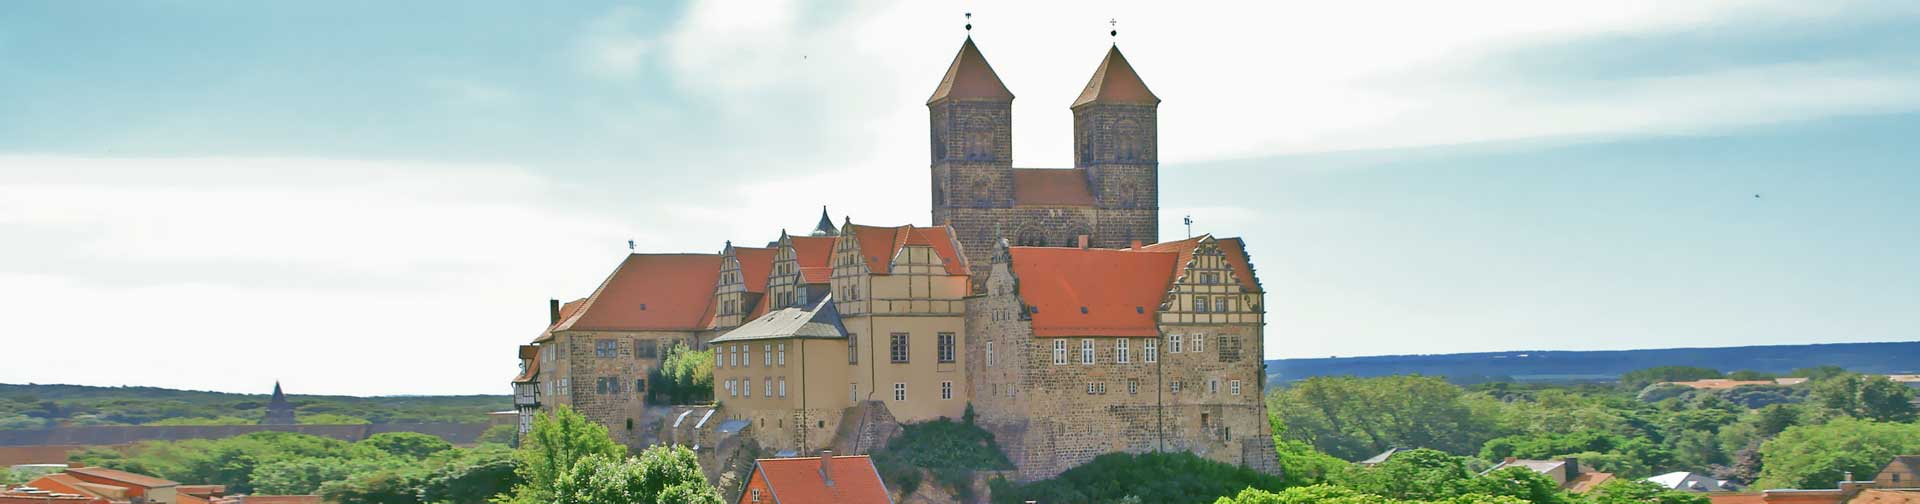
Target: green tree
1868,397
470,476
1622,491
685,376
394,486
1353,418
1639,379
303,476
1817,373
1152,477
1419,474
555,444
332,419
1816,456
658,475
1519,483
411,445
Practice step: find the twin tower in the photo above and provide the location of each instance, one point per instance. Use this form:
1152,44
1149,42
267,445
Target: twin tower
1111,195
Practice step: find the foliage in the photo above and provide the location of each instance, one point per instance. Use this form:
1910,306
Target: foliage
1816,456
1636,380
453,476
556,443
1150,477
331,419
952,450
1353,418
1868,397
685,376
1301,465
1624,491
505,434
303,476
409,445
658,475
224,420
39,406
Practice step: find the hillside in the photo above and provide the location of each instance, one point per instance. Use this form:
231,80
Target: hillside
1564,366
35,406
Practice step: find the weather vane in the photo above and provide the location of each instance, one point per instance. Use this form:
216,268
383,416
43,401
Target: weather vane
1114,24
969,22
1189,221
629,245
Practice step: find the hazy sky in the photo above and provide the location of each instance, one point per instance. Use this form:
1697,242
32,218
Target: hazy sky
379,197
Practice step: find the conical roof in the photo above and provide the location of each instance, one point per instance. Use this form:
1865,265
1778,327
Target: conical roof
825,227
279,398
970,77
1115,82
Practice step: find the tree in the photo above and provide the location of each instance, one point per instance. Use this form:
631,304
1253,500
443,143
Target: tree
1818,373
1623,491
1420,474
1636,380
470,476
1869,397
659,475
1353,418
551,449
303,476
1816,456
411,445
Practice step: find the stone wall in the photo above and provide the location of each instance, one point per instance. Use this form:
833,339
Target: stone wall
620,411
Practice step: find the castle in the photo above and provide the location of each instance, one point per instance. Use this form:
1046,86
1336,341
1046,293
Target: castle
1039,298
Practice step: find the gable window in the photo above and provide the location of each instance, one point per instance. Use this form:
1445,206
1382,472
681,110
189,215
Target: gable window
946,390
989,354
853,348
1199,343
1173,343
899,391
606,348
1059,352
1120,352
946,347
1200,304
1234,386
1086,351
897,347
756,495
1152,351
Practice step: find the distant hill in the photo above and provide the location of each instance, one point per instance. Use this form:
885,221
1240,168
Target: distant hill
1573,366
34,406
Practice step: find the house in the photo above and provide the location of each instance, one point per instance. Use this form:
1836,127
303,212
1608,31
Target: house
1380,458
33,495
109,485
826,478
1565,472
1694,482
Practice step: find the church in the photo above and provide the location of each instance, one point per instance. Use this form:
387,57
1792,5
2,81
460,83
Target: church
1040,300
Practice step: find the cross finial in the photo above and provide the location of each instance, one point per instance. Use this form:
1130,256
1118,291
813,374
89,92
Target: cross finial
629,245
969,22
1114,25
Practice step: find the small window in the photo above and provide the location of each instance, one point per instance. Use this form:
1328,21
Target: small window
946,344
783,386
897,348
746,387
640,386
1133,386
1086,351
1174,343
1200,304
946,390
1199,343
1213,386
756,495
1120,352
606,348
1174,387
766,354
853,348
1059,352
1152,351
783,354
767,386
1234,386
899,391
1220,304
989,354
1089,388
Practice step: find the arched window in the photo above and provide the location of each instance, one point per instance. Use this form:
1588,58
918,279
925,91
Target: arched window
1031,237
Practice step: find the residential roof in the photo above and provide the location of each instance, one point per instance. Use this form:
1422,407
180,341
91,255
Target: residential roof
878,245
1092,292
1720,383
969,77
532,371
815,255
1539,466
1587,480
1114,81
139,480
1691,481
799,480
755,264
818,321
651,292
566,312
1235,250
66,483
1051,186
1379,458
1889,496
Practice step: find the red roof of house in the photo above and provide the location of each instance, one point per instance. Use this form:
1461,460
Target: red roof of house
1093,292
651,292
815,254
105,475
970,77
1234,249
1114,81
1048,186
755,265
798,480
566,312
878,245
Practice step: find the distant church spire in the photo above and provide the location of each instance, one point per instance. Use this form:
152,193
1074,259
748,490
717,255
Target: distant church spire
970,78
279,411
1114,81
825,227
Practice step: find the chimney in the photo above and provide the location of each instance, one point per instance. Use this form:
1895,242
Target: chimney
553,311
1135,244
826,466
1512,459
1573,467
1083,241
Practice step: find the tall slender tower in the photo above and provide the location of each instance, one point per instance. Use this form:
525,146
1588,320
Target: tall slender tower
1116,140
279,411
972,138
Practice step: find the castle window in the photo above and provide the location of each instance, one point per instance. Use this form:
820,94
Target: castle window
1230,348
946,347
899,391
1220,304
989,354
946,390
766,354
897,348
1234,386
1173,343
1089,388
1133,386
640,386
767,386
1200,304
1174,387
606,348
646,349
1213,386
1120,352
853,348
1059,352
1151,351
783,354
1086,351
1199,343
566,386
783,386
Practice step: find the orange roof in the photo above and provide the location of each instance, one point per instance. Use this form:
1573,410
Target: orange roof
755,265
566,312
282,499
113,476
1235,250
799,480
651,292
1114,81
1720,383
970,77
533,371
1048,186
815,255
1731,498
878,245
1092,292
65,483
1877,496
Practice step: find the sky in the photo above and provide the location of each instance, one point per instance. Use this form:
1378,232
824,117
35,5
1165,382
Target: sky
378,199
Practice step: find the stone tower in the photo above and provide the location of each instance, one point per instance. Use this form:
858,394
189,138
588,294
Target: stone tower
1111,196
279,411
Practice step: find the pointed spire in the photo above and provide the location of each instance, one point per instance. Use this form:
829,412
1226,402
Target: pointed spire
825,227
970,77
1115,82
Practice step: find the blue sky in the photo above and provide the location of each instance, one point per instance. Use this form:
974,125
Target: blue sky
217,195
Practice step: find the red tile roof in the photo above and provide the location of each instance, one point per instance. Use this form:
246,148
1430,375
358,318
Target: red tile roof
1875,496
798,480
1234,249
815,254
755,265
970,77
1048,186
113,476
1120,290
566,312
1114,81
878,245
651,292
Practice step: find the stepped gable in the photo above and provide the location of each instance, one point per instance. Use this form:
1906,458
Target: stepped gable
651,292
1092,292
1234,249
1051,187
1114,81
969,77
